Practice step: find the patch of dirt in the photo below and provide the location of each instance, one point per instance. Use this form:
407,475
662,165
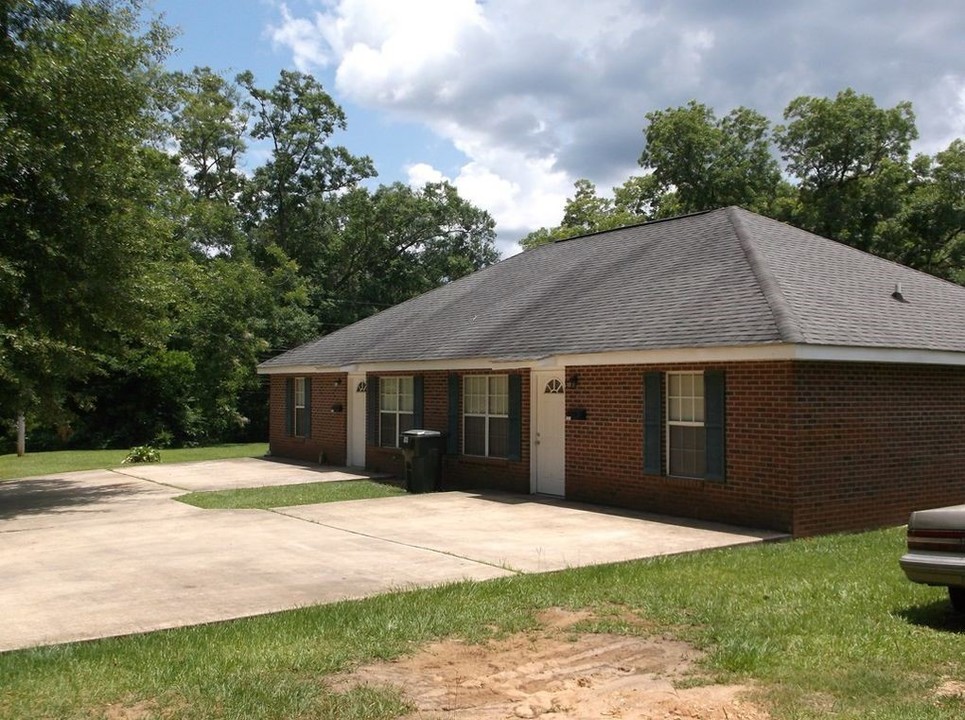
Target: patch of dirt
951,689
135,711
557,673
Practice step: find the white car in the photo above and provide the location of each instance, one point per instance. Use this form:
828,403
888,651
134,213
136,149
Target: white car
936,551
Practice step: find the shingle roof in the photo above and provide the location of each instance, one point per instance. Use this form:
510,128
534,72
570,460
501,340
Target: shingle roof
725,277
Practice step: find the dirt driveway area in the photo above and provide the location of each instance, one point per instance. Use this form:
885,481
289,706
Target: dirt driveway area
103,553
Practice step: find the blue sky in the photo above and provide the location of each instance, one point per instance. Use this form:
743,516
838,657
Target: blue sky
513,100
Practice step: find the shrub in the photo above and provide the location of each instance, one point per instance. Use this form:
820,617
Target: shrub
143,454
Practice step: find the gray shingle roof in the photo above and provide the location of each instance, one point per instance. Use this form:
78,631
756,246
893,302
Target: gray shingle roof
726,277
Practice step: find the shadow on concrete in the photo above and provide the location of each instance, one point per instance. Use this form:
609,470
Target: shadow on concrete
507,498
43,495
315,467
937,615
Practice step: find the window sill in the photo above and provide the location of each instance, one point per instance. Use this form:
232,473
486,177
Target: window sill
695,480
480,460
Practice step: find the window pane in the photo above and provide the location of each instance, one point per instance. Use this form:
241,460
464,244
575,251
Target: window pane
674,385
299,392
406,394
300,421
699,384
389,434
499,395
475,436
498,437
687,409
406,421
687,454
674,408
475,395
389,398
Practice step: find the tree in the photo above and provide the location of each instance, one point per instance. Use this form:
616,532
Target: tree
928,230
705,163
287,194
850,159
208,127
398,242
81,251
587,212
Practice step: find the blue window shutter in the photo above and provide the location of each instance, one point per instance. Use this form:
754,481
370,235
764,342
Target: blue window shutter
515,416
452,441
418,401
308,407
289,405
714,415
371,411
652,421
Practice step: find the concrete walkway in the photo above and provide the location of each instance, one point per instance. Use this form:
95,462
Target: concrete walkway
102,553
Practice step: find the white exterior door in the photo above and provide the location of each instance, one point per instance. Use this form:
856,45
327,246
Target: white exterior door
355,430
549,439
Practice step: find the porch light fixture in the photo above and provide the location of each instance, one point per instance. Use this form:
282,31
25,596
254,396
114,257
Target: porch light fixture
572,381
336,408
338,381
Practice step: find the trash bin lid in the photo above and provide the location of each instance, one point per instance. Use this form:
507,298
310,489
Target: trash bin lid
422,433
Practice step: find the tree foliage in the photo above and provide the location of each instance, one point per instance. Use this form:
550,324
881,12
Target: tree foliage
81,268
147,263
846,174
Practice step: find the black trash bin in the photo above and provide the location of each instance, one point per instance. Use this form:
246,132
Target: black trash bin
423,451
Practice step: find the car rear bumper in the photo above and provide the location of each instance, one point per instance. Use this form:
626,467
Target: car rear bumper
932,568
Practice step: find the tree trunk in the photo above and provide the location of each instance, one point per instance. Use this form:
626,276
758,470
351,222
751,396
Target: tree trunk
21,435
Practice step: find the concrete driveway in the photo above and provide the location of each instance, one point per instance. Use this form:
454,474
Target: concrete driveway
102,553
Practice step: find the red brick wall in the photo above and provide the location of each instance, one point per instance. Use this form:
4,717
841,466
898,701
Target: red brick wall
876,441
327,443
811,447
604,453
458,471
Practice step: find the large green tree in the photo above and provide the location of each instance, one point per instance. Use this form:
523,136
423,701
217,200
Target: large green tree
80,260
397,242
147,263
704,162
289,195
850,160
928,230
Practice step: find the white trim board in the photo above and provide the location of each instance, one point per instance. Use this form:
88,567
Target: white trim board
743,353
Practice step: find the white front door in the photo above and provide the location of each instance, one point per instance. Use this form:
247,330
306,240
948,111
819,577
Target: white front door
550,436
355,430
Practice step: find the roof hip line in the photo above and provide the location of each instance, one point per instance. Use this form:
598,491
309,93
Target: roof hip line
784,318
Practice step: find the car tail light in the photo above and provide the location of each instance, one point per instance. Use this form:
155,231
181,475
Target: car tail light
937,540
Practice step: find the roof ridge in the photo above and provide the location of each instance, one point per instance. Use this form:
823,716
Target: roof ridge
629,226
787,324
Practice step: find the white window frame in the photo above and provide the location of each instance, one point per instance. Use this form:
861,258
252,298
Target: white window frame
398,410
488,414
298,404
685,419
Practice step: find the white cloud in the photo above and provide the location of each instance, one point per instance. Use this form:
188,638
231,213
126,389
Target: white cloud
538,93
421,173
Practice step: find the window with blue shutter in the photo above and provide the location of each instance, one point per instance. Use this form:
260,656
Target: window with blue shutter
289,406
452,440
418,402
515,417
652,422
307,421
714,416
372,411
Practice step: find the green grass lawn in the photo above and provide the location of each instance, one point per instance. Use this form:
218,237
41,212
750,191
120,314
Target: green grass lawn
44,463
263,498
825,628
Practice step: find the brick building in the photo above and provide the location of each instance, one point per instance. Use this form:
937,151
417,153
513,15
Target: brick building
720,365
